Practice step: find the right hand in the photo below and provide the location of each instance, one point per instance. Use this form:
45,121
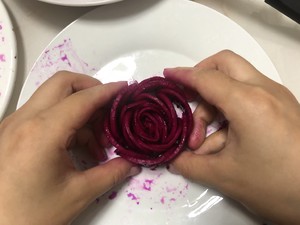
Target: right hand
256,158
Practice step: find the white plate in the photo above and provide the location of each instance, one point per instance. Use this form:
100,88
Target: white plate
7,59
135,40
80,2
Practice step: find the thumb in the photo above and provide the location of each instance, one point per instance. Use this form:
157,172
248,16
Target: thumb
202,169
98,180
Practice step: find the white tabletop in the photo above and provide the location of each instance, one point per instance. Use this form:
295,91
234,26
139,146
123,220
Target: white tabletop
37,23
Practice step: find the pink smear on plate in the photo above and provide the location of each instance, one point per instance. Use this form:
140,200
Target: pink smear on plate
153,189
147,184
2,58
162,200
133,197
62,56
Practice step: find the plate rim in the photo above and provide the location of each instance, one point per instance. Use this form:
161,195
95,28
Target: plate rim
19,102
12,61
81,3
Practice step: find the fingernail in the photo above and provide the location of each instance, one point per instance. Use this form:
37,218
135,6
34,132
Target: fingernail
201,151
135,170
168,70
172,169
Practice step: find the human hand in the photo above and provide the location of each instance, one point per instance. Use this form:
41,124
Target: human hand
38,182
256,158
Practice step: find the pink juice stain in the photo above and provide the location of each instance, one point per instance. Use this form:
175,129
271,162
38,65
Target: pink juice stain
147,184
2,58
171,189
154,190
62,56
66,59
162,200
133,197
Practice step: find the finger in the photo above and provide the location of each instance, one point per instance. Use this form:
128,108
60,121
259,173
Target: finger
190,95
74,111
98,180
59,86
203,115
214,87
85,137
213,143
239,69
199,168
98,127
232,65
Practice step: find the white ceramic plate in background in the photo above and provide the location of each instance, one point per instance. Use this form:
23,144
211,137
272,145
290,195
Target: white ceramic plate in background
7,59
80,2
135,40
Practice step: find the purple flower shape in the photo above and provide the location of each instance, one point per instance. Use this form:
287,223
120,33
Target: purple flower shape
149,122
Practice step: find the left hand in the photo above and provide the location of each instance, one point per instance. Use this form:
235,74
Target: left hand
38,182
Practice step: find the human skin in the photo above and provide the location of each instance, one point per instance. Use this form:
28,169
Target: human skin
38,182
256,158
